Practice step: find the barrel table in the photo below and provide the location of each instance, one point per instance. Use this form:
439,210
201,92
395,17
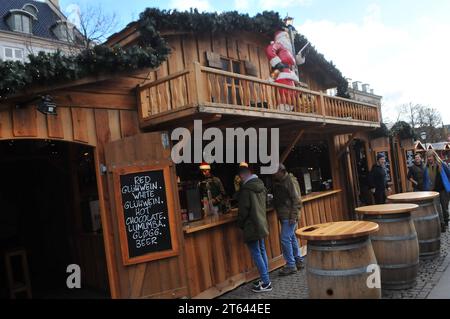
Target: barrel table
395,244
341,260
426,220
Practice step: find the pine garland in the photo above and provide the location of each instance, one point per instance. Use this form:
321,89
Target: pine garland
382,131
403,130
48,68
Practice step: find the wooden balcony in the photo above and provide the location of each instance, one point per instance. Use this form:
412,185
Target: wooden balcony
203,91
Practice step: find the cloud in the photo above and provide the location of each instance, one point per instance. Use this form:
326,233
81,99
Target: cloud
201,5
270,4
242,4
406,63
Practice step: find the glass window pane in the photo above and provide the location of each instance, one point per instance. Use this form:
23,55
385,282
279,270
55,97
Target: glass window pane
18,54
8,53
236,67
26,23
18,22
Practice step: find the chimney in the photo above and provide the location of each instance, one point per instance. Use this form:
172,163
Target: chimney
371,92
365,88
356,85
349,81
54,3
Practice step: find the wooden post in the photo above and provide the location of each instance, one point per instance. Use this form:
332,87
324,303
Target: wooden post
199,84
322,106
286,153
344,148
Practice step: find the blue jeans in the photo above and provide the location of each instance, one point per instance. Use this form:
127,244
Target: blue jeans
258,252
289,243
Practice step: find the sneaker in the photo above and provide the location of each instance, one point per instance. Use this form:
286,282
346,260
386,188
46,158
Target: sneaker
256,284
286,271
263,288
300,264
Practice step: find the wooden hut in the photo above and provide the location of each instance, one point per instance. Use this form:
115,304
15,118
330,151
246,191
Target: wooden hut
122,122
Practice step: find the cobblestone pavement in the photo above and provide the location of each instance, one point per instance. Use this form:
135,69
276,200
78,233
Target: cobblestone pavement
295,286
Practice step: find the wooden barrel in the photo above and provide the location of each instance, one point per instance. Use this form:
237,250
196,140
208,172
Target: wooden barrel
395,244
340,261
426,220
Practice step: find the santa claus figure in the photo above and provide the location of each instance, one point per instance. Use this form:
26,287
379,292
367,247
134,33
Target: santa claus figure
281,56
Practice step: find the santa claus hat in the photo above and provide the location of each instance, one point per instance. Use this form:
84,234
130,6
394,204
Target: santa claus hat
205,166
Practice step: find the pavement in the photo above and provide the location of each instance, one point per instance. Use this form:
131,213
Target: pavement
433,282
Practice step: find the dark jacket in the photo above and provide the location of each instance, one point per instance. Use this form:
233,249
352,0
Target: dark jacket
286,199
417,173
378,180
252,210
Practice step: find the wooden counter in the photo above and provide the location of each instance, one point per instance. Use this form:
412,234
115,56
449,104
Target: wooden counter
217,259
214,221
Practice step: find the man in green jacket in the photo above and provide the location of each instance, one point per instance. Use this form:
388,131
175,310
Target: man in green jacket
287,204
252,220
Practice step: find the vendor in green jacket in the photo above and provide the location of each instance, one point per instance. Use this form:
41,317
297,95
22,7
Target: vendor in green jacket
252,220
287,203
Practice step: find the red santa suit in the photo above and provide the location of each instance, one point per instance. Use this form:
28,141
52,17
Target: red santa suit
280,51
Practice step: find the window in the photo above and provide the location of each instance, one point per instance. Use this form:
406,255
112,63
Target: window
30,8
234,67
13,54
20,22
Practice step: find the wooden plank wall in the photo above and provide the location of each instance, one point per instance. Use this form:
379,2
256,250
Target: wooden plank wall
164,278
342,176
190,48
72,124
90,126
218,260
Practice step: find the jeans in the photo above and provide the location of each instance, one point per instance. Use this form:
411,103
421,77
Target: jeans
289,243
259,255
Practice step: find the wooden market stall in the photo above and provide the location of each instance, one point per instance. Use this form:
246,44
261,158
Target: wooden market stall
127,120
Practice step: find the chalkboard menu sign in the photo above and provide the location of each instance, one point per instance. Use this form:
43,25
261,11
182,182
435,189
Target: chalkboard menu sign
388,164
145,214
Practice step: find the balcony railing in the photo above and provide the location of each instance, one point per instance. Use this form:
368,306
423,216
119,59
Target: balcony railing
208,87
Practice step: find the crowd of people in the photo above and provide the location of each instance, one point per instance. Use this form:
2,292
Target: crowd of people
430,175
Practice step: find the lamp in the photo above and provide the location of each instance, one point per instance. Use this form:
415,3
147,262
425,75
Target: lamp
46,105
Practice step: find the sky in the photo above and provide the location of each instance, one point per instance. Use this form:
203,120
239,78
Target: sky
400,47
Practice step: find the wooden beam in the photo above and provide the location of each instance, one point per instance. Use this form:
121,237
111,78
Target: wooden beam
344,148
37,90
286,153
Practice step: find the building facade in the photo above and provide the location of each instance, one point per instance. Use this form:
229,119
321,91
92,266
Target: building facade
28,27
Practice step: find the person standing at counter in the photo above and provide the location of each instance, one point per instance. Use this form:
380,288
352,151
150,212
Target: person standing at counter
378,180
416,174
287,203
211,187
253,221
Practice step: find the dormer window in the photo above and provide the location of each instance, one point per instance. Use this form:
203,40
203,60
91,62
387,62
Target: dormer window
64,31
31,8
21,21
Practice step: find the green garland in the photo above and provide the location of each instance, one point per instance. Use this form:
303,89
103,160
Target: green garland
50,68
382,131
403,130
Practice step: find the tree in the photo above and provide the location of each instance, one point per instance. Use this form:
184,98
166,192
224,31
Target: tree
423,119
94,24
